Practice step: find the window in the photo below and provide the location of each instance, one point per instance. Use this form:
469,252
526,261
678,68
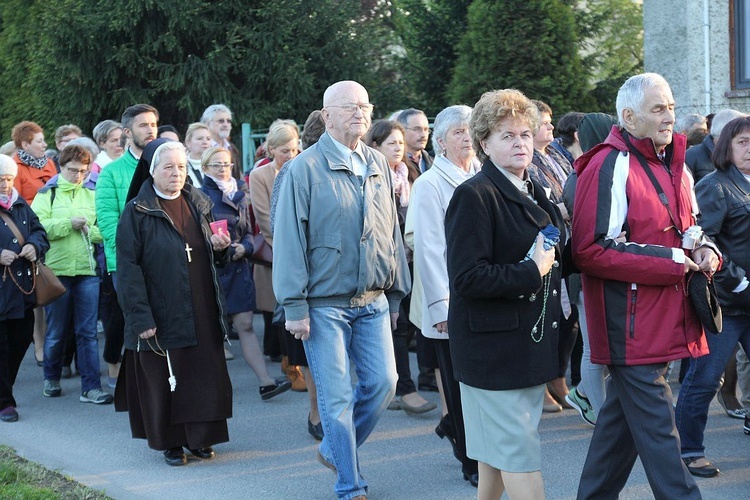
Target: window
741,66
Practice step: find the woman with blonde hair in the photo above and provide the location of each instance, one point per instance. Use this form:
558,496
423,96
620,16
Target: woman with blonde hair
197,141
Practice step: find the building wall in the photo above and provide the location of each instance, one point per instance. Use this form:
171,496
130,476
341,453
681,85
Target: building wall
673,36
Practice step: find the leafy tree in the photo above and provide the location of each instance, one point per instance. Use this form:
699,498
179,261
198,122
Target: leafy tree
530,45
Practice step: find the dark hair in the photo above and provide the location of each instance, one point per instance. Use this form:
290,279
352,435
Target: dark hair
24,132
567,126
168,128
403,117
313,129
379,132
130,113
722,156
75,152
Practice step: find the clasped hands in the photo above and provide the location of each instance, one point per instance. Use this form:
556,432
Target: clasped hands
28,252
704,259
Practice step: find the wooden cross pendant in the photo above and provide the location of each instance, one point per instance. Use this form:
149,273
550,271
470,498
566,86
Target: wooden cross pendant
187,251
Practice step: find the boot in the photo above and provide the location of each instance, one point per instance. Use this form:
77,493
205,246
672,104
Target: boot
294,375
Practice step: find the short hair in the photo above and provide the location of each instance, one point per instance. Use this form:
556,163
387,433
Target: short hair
167,128
721,118
380,131
192,129
86,142
281,132
633,92
567,126
211,111
167,146
207,154
128,116
103,129
722,155
542,107
77,153
450,117
64,130
313,129
403,116
494,107
24,132
687,122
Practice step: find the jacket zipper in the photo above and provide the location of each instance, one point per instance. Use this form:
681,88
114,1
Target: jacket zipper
633,297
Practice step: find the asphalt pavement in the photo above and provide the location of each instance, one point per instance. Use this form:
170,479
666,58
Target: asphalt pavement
270,455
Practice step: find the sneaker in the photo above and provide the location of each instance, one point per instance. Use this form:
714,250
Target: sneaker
96,396
269,391
9,414
582,405
52,388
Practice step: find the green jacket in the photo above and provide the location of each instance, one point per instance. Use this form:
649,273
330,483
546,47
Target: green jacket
70,253
111,191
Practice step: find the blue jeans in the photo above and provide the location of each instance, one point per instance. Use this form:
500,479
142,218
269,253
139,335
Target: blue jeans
349,415
82,301
703,380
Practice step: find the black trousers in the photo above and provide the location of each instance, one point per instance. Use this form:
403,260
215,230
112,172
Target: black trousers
453,401
15,338
636,420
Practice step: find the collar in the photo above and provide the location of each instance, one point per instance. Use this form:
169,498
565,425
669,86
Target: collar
524,185
346,152
451,172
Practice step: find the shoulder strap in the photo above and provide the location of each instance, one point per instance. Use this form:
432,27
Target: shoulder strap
644,163
13,228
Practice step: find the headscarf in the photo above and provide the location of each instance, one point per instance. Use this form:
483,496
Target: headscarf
143,167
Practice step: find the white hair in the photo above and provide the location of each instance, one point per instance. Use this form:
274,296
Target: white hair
211,111
633,92
167,146
450,117
721,118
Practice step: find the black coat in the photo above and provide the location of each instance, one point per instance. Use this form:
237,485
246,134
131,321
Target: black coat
698,158
495,298
13,303
153,286
724,202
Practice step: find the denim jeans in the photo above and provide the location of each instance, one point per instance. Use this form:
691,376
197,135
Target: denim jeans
703,380
82,301
349,415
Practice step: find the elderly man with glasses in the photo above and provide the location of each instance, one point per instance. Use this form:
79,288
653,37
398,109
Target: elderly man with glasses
218,118
344,271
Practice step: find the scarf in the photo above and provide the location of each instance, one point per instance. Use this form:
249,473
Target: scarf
7,201
400,175
227,187
30,161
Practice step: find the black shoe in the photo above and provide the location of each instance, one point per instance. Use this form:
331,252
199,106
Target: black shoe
269,391
708,470
746,427
428,386
175,456
443,430
316,430
204,453
9,414
472,477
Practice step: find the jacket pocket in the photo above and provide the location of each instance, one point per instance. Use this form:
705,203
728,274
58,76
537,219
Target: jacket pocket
324,259
484,320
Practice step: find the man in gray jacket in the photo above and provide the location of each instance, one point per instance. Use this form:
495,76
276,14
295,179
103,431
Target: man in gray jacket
340,270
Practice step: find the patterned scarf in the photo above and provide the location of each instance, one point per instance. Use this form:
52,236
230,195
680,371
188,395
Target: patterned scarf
7,201
30,161
401,186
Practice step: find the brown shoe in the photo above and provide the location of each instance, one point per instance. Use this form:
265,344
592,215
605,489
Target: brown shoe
294,374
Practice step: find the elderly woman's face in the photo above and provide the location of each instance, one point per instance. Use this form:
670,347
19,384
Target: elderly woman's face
544,136
6,184
393,147
741,151
457,144
510,145
36,147
220,165
169,174
112,145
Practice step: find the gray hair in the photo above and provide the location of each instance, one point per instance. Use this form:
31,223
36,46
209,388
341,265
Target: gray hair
633,92
103,129
403,116
721,118
167,146
87,143
450,117
211,111
687,122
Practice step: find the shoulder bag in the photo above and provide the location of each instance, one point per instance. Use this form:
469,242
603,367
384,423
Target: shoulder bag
262,251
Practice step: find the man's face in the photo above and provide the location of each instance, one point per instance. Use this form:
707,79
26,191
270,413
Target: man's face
144,129
220,126
655,119
348,115
64,140
417,133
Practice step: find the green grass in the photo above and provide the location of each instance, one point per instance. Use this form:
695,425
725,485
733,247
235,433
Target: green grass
24,480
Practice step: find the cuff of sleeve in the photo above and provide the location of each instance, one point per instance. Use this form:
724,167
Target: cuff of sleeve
742,286
393,305
678,255
297,312
438,311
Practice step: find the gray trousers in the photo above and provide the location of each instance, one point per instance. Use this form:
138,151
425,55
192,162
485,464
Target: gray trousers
743,377
637,420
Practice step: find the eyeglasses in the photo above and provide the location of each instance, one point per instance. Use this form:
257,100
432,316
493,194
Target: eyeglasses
76,171
426,130
352,108
223,121
220,166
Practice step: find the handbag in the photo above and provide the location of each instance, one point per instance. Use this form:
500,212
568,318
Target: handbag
262,251
47,286
699,286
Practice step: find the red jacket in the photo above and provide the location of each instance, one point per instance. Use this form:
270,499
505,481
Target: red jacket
636,308
30,180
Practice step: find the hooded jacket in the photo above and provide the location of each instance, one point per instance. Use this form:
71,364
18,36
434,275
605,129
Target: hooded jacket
636,306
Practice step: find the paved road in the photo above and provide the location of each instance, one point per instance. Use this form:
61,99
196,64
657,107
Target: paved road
271,456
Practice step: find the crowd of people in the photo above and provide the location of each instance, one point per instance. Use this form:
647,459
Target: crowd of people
486,256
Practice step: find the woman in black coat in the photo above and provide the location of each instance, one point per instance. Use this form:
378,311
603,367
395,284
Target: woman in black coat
16,294
505,297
